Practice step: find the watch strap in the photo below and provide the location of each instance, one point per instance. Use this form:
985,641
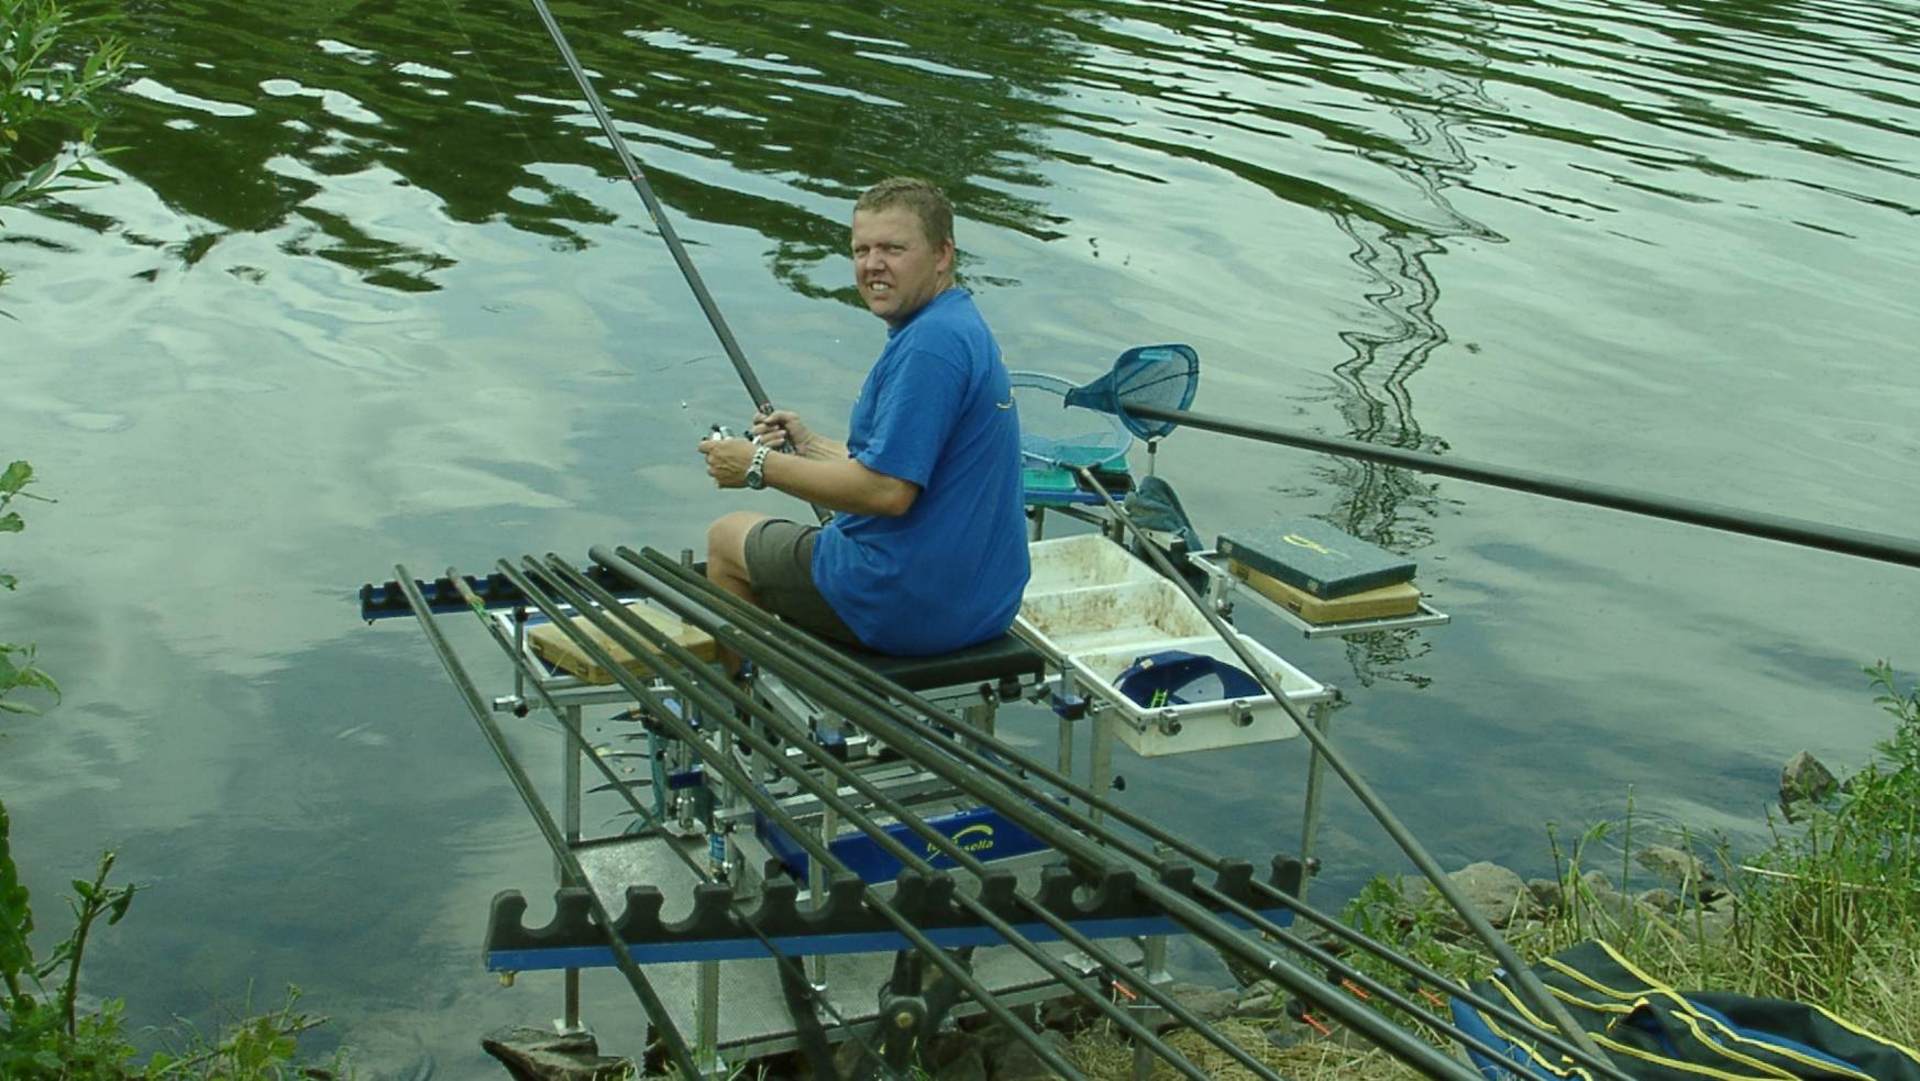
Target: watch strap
756,469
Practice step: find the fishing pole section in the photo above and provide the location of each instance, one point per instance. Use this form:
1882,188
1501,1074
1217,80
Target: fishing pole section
762,402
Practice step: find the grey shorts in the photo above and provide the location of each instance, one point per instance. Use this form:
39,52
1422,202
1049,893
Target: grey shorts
780,566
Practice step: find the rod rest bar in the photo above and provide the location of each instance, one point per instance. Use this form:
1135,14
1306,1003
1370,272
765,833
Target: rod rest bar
925,900
387,601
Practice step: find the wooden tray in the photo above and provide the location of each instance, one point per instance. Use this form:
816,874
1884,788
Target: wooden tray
1399,599
552,645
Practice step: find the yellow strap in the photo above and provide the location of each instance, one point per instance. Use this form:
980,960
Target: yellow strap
1864,1034
1693,1019
1564,1068
1675,1064
1585,980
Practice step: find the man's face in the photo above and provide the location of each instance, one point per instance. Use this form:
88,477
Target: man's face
894,265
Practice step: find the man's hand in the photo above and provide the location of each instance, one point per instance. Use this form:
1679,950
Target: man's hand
783,428
727,460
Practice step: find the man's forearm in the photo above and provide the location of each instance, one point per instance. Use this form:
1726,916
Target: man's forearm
841,484
821,449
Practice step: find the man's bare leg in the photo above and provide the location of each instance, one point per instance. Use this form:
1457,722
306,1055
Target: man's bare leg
727,564
727,553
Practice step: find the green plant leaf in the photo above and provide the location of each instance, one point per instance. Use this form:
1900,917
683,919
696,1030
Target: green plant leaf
15,477
11,522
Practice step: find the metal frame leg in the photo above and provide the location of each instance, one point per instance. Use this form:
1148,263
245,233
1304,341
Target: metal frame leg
707,1022
1100,764
1321,717
817,888
570,782
1153,966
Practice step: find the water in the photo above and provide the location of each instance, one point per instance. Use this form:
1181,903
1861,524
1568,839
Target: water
368,291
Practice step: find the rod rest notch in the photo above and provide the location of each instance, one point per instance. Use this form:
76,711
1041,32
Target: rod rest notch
998,890
572,917
1179,877
1109,895
778,912
712,915
641,920
843,907
1234,878
1287,875
925,899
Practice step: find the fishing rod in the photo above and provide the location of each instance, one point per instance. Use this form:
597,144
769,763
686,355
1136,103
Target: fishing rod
860,691
639,180
1883,547
573,873
762,403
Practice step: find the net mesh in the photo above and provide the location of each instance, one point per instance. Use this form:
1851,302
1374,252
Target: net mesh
1051,432
1157,376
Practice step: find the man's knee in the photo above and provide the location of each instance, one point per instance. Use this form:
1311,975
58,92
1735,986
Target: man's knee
727,538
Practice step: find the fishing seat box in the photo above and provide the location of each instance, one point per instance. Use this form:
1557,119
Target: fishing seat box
1096,610
552,645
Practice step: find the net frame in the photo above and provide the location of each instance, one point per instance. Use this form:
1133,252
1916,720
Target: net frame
1105,441
1160,376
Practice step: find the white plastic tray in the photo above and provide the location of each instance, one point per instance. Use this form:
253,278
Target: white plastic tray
1094,609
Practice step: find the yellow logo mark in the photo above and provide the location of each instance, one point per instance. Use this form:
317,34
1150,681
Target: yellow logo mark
1299,541
975,838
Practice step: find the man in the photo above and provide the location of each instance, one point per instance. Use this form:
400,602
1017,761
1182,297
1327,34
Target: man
928,552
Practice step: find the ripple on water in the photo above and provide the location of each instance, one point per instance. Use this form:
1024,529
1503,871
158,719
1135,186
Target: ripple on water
86,421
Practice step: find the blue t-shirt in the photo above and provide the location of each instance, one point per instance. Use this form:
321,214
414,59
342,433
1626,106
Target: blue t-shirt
936,410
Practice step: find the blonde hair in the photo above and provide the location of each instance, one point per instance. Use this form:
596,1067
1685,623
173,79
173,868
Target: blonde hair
927,202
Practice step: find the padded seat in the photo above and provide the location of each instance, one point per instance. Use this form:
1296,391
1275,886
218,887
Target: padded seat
1005,657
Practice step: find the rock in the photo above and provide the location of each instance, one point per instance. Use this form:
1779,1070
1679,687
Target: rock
969,1065
1715,925
1660,899
1803,778
1207,1003
1496,893
1010,1060
1260,1001
533,1054
1069,1013
1520,929
1675,865
1598,884
1547,896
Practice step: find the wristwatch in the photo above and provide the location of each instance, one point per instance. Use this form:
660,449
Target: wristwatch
756,470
